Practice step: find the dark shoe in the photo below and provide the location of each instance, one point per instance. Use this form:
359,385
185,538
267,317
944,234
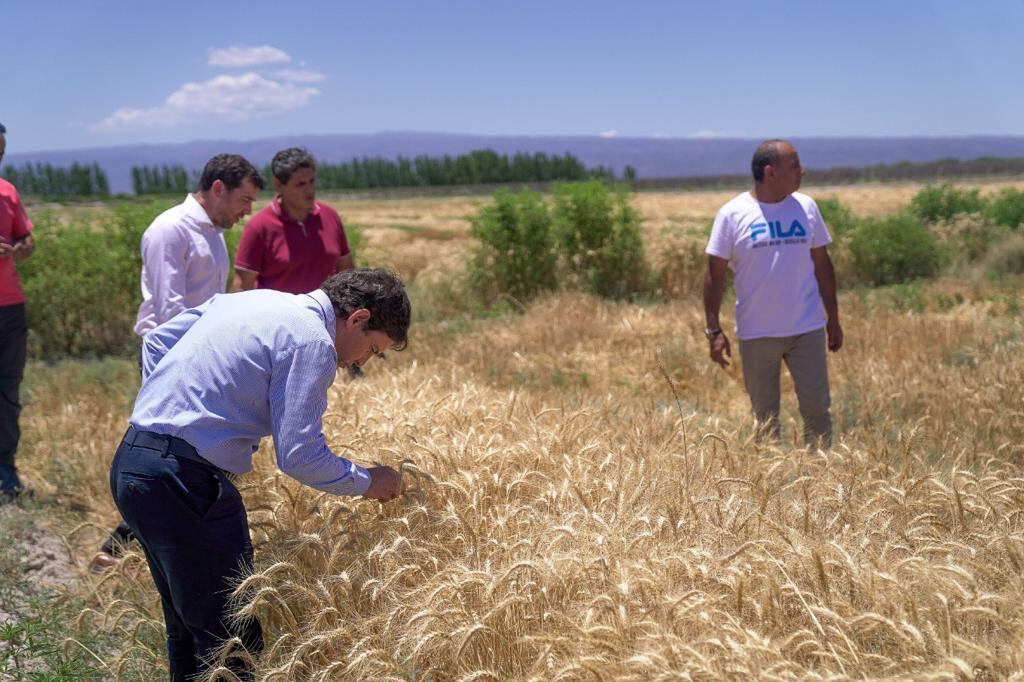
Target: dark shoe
10,484
118,541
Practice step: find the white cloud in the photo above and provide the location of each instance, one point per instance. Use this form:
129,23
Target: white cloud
235,98
300,75
134,118
707,135
247,56
608,134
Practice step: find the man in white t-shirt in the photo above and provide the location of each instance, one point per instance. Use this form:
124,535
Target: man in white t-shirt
775,240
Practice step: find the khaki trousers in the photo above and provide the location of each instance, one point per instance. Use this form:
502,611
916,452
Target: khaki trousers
804,355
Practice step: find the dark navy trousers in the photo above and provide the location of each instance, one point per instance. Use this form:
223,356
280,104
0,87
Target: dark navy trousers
192,525
13,340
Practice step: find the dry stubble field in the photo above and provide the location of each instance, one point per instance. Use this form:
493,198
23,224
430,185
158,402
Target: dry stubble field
583,500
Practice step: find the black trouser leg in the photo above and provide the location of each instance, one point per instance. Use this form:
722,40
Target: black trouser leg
13,350
192,525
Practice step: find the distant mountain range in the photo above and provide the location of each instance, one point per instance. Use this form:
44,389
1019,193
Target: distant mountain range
652,157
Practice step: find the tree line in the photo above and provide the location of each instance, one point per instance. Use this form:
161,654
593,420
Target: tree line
57,182
479,167
163,179
880,172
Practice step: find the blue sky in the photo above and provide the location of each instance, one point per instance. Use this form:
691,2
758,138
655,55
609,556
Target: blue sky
99,73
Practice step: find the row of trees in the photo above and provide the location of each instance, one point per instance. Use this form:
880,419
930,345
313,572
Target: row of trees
163,179
56,182
477,167
480,167
923,170
880,172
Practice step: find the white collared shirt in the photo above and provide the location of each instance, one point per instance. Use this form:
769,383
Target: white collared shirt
184,264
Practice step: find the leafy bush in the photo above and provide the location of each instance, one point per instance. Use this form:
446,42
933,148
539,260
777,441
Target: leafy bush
894,250
909,297
354,235
598,235
1007,208
82,284
591,241
933,204
838,218
515,256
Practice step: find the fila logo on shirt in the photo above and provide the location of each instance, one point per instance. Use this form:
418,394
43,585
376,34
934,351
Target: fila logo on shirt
774,230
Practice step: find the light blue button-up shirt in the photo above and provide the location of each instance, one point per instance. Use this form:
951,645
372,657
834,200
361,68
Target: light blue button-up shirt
243,366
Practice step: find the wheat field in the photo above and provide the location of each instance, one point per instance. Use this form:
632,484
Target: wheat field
583,498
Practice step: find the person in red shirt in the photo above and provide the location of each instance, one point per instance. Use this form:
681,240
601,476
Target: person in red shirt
15,246
296,242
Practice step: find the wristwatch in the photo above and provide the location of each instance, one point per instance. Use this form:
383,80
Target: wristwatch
710,333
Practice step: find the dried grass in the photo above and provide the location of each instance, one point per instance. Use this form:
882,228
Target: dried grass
568,514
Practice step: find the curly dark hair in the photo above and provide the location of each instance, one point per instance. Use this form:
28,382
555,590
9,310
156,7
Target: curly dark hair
287,161
232,170
379,291
766,154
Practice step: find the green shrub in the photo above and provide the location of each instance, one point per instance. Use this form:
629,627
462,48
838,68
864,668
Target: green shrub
908,297
515,256
838,218
231,239
599,238
933,204
894,250
1007,208
82,284
356,241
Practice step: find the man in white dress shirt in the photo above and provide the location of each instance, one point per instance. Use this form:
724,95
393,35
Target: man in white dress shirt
184,257
185,262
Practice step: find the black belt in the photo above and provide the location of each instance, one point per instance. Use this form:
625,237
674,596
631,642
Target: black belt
165,445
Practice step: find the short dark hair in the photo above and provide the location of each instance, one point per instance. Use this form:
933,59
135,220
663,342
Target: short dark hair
287,161
379,291
232,170
766,154
3,129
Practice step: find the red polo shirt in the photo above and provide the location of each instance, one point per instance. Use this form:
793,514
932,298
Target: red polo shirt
288,255
14,224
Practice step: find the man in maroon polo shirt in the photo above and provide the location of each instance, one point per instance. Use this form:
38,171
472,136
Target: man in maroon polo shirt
15,246
296,242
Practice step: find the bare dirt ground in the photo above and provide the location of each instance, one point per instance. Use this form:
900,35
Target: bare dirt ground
44,558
